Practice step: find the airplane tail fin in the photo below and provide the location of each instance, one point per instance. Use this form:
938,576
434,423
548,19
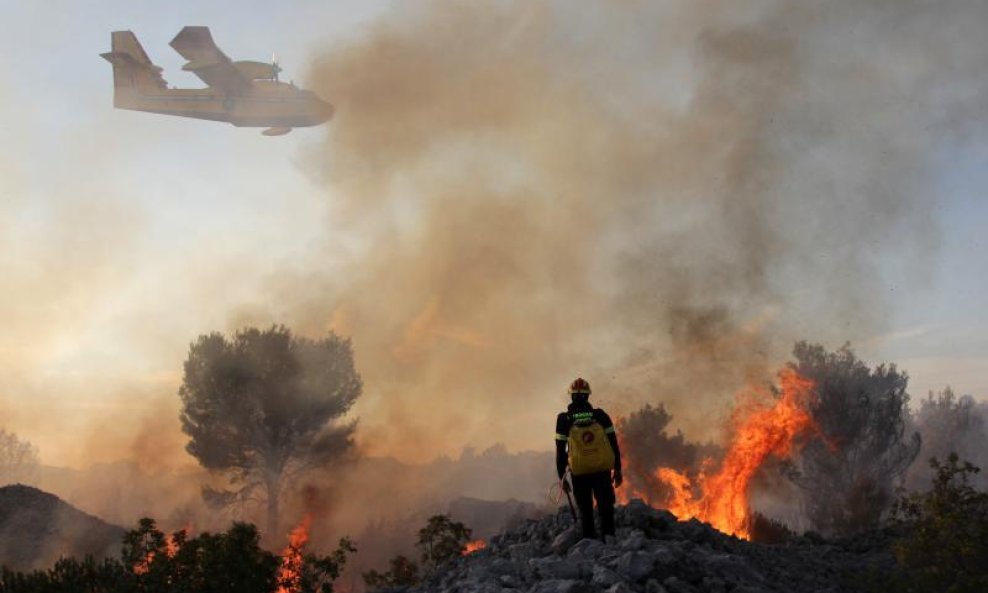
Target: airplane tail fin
133,71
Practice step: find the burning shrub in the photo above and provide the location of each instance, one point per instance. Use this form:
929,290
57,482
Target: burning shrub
178,563
150,561
847,471
766,424
260,407
302,572
646,446
440,540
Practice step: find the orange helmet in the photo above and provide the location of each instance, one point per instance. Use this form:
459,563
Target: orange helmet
580,385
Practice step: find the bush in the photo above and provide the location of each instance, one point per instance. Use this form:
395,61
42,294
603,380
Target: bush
441,539
848,471
151,562
946,549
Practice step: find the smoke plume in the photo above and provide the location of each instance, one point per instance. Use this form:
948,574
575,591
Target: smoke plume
658,197
950,424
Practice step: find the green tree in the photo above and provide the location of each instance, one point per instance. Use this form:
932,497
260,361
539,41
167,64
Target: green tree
946,549
18,459
262,407
442,539
849,469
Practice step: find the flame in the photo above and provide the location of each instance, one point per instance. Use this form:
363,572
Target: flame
171,548
144,566
171,542
758,431
627,491
290,572
473,546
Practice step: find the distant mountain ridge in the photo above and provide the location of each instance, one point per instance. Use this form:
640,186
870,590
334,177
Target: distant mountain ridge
36,528
489,517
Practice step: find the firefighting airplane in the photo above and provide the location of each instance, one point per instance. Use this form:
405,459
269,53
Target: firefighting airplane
243,93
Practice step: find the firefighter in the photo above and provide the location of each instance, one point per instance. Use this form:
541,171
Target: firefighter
587,444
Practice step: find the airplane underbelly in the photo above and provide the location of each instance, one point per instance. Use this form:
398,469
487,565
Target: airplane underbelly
262,112
199,106
252,112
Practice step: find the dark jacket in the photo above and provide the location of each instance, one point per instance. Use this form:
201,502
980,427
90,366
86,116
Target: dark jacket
579,412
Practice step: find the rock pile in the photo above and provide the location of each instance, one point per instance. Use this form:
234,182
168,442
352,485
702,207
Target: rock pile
654,553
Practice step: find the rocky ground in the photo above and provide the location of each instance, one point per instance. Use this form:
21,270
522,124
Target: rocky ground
36,528
655,553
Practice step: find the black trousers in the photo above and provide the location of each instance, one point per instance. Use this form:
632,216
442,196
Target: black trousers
598,486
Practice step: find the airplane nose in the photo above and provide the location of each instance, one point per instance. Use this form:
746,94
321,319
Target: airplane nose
323,110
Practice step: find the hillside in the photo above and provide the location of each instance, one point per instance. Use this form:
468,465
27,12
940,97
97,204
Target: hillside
37,527
488,517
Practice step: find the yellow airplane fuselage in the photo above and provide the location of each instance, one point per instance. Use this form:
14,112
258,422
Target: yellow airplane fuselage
244,93
266,104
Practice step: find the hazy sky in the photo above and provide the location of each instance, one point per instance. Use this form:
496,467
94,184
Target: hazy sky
124,235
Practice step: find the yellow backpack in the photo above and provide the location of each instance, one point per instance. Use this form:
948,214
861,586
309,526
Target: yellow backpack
589,450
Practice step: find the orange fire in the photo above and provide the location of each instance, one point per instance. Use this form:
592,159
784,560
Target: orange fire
290,573
144,566
171,542
759,430
171,548
473,546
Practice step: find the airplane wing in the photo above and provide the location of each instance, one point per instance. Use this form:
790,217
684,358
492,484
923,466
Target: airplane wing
206,61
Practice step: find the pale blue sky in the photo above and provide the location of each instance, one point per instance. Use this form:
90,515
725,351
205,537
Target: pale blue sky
942,333
163,223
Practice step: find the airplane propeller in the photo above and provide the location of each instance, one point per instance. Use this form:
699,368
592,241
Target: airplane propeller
275,68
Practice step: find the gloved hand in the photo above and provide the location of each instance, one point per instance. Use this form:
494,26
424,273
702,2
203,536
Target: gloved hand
565,486
618,479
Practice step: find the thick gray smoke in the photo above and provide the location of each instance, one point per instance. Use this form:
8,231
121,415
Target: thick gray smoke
950,424
659,196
